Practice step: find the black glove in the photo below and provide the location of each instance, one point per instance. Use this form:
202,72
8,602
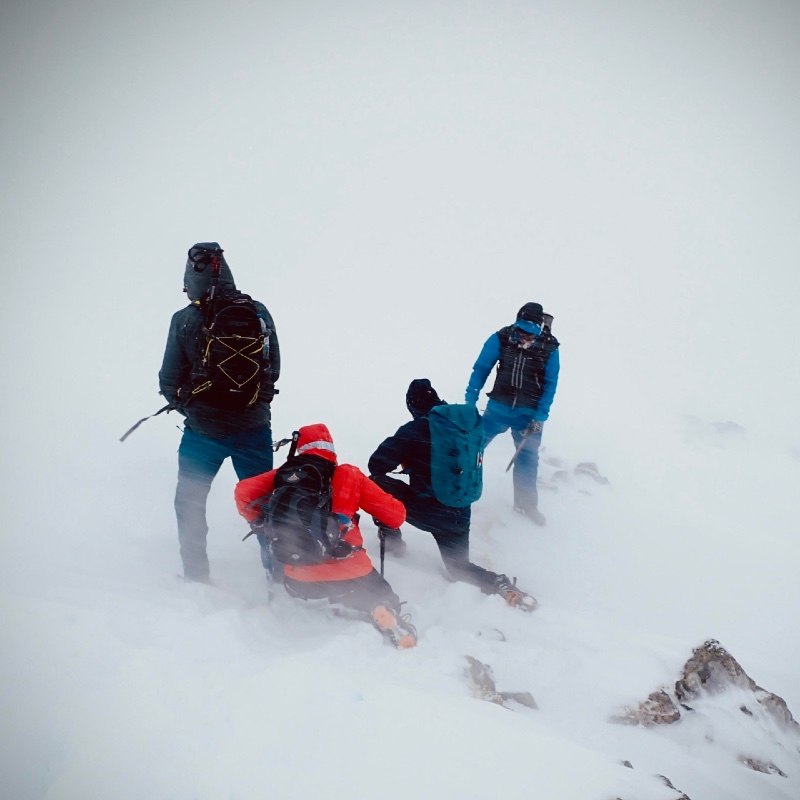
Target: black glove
342,549
257,528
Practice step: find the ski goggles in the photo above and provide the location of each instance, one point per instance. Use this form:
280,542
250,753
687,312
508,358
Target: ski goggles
202,256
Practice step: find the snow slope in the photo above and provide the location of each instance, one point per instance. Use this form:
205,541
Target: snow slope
124,681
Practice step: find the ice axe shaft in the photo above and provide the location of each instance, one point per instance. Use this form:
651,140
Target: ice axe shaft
382,538
525,434
169,407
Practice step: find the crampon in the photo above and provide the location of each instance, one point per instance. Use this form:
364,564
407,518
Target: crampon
514,596
395,628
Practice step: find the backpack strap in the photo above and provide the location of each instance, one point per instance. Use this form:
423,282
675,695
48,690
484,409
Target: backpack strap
216,265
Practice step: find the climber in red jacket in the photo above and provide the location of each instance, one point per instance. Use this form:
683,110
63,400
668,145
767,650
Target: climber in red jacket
310,538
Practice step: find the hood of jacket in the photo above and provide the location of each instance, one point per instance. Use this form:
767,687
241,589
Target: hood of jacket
421,397
197,278
527,326
316,440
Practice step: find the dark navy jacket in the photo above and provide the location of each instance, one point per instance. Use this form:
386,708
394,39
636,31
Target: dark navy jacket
410,448
184,343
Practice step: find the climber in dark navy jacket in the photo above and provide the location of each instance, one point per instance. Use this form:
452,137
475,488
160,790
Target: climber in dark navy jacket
211,433
410,449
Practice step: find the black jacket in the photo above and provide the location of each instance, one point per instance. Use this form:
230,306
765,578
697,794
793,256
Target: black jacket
184,344
409,448
520,380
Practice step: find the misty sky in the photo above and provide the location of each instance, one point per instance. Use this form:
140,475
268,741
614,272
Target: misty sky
394,181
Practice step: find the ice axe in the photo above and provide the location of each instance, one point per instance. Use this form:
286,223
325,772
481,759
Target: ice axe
532,427
382,539
168,407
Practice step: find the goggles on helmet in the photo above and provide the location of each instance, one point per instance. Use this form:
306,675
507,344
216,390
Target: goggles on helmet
202,256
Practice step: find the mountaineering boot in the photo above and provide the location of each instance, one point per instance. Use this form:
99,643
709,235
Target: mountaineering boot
396,629
393,538
533,514
513,595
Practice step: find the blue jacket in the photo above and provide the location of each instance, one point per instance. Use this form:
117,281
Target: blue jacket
488,358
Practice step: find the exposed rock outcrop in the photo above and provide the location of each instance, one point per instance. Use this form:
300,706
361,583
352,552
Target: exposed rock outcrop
663,779
767,767
658,709
712,671
555,474
667,782
481,680
590,468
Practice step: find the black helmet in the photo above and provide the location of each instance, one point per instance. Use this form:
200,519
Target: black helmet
421,397
531,312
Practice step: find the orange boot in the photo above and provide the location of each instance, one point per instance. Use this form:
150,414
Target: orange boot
398,630
514,596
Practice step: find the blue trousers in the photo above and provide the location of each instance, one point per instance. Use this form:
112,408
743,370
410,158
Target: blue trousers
498,419
199,460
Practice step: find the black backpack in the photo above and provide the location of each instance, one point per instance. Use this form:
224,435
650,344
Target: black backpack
299,526
234,353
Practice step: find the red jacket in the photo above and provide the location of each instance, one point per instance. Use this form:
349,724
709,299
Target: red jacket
351,490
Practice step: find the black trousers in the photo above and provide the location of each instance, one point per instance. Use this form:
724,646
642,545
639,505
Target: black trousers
449,527
361,594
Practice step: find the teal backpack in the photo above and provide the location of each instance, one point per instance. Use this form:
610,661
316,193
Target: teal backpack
457,444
